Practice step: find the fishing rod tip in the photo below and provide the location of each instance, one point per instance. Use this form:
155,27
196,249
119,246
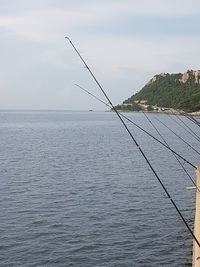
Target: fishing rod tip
66,37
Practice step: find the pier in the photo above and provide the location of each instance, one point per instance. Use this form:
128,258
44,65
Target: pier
196,248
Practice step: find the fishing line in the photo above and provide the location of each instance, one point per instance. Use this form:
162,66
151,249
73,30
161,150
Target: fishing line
184,169
178,136
149,134
191,118
168,147
188,127
190,131
136,143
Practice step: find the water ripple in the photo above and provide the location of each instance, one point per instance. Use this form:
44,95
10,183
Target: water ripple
75,192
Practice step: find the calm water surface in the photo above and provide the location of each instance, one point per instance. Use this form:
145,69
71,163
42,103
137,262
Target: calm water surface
75,191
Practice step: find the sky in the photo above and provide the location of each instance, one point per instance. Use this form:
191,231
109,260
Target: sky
125,42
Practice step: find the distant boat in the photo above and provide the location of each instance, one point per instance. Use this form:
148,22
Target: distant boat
90,110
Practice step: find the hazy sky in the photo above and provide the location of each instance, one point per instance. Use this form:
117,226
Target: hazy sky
125,42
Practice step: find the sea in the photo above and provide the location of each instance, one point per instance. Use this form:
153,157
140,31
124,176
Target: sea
75,190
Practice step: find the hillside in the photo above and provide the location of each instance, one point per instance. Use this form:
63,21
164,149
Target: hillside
178,91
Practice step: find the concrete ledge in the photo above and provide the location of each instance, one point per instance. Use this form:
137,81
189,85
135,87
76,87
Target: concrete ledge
196,248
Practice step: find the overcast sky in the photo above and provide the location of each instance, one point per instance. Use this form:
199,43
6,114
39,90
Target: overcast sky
125,42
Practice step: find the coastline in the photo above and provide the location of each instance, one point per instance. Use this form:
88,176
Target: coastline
169,112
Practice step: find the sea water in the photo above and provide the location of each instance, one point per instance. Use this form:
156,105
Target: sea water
75,191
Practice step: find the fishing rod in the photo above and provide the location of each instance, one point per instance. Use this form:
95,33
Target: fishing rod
161,136
191,118
196,121
134,141
190,131
168,147
188,127
178,136
143,130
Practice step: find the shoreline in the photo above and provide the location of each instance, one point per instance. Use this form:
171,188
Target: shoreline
169,112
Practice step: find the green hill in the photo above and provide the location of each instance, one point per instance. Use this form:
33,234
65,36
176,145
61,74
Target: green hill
178,91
